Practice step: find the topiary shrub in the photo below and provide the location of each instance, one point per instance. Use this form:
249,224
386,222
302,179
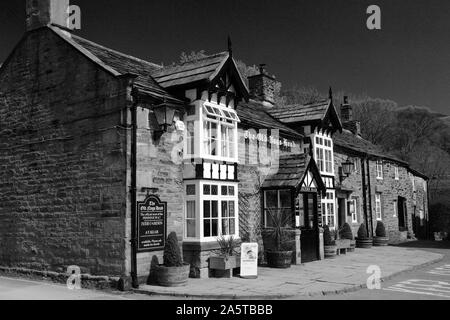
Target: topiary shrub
380,231
346,232
172,255
362,232
327,240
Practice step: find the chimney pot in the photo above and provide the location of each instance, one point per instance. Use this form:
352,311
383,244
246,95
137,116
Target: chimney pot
40,13
263,87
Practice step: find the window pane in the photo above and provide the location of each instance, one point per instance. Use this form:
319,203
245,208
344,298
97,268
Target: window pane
224,209
190,209
215,228
190,228
285,199
206,189
271,199
190,189
232,226
231,208
214,189
214,209
206,209
207,228
224,190
231,190
225,227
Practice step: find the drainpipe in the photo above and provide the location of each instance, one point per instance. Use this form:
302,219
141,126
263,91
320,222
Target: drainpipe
135,282
428,234
363,177
370,198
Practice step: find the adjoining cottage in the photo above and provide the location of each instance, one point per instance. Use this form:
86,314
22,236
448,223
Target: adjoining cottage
87,134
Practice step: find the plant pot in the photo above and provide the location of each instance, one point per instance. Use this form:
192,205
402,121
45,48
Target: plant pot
380,241
364,243
172,276
330,251
224,263
343,243
279,259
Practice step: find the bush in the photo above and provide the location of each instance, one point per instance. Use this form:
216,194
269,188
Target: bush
172,255
346,232
327,240
380,231
228,246
362,232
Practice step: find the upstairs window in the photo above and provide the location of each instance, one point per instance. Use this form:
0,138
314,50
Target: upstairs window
378,206
324,154
396,174
379,169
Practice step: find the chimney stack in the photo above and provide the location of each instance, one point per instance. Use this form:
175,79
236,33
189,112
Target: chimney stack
347,118
40,13
263,87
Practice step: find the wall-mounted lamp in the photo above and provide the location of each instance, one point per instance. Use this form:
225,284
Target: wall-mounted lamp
164,115
347,168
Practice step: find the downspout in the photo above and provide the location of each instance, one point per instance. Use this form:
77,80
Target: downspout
428,235
363,177
370,199
135,282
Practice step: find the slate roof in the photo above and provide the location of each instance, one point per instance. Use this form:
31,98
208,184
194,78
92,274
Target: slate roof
119,64
193,71
290,172
253,114
301,113
349,141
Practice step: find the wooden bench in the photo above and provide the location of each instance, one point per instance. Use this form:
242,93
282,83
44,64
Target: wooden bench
342,246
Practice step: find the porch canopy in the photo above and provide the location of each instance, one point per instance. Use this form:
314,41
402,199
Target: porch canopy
298,171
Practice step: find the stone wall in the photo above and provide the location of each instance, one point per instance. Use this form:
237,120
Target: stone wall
390,189
62,160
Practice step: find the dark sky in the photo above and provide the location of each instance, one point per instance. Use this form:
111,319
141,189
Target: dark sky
305,42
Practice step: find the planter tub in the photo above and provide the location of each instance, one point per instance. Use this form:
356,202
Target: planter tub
364,243
224,263
330,251
172,276
380,241
279,259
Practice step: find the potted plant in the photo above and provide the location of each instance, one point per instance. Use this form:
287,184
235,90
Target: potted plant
278,254
330,247
381,239
173,272
363,241
227,257
346,233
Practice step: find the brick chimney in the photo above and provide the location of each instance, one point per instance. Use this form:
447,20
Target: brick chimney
263,87
347,118
41,13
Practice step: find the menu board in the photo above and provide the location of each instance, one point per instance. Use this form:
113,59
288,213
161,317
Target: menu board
249,260
152,224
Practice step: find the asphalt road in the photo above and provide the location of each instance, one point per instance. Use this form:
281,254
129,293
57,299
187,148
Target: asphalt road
431,282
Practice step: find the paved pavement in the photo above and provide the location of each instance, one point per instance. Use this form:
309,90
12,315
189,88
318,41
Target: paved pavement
431,282
345,273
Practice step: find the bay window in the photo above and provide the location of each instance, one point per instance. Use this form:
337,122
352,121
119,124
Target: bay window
210,210
211,132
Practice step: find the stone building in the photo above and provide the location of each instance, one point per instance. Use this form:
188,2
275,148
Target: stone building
94,144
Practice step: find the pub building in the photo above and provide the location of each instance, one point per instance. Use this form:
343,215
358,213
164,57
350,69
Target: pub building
103,154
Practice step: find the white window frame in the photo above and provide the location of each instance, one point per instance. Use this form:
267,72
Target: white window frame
378,208
326,203
323,145
199,197
379,167
222,116
396,173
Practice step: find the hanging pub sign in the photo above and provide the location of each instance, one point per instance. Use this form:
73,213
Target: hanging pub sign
152,224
